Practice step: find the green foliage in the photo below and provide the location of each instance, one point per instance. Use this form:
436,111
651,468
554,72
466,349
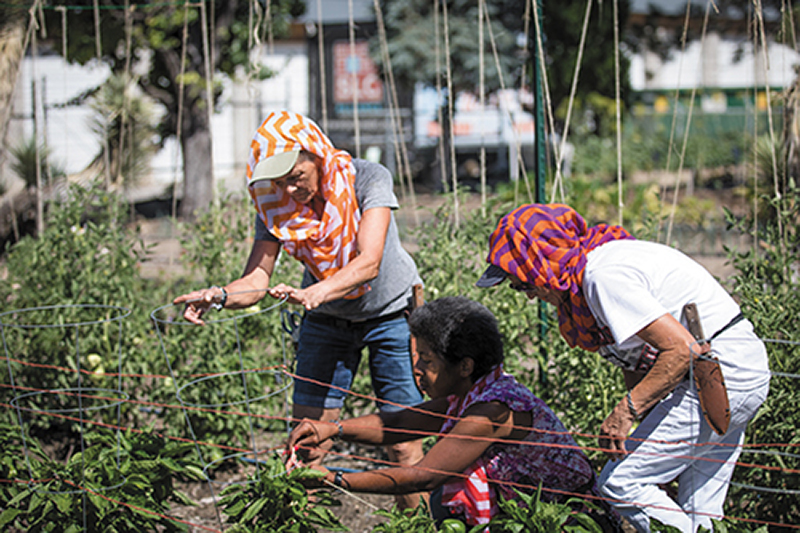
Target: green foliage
411,39
112,485
648,151
529,513
124,121
216,245
84,265
766,284
25,161
275,501
718,526
417,520
563,23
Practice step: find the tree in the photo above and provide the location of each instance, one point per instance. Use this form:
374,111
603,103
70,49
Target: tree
149,37
410,34
12,36
562,24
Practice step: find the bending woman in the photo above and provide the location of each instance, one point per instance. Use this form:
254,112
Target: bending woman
627,300
494,434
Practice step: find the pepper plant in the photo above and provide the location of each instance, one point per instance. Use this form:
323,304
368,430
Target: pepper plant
416,520
275,501
117,483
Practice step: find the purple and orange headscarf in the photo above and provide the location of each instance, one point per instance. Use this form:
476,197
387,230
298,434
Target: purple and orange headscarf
546,245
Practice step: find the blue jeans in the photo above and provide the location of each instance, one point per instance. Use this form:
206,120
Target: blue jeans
330,354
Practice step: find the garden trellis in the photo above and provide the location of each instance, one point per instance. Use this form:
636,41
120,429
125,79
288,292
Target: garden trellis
166,320
261,29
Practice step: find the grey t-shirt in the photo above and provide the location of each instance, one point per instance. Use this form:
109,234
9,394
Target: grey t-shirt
391,289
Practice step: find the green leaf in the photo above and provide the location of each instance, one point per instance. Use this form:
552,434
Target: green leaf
253,510
8,516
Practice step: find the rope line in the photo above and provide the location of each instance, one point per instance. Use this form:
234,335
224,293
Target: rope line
689,116
583,495
283,369
252,415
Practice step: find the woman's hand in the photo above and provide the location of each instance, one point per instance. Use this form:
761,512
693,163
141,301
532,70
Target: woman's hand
281,291
198,303
615,430
311,433
311,297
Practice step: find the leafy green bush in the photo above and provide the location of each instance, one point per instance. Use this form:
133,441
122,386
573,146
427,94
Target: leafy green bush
84,268
416,520
216,246
767,284
112,485
275,501
25,162
527,512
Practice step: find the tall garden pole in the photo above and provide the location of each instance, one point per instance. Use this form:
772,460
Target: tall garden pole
539,147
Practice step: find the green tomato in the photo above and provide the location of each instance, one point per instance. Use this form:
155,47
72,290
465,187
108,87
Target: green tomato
451,525
94,360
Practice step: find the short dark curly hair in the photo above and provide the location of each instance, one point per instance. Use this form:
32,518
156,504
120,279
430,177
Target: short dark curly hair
455,328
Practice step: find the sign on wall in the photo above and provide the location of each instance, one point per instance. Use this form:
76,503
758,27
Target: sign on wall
367,81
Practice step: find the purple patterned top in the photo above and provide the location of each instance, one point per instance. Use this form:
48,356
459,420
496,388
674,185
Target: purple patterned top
548,454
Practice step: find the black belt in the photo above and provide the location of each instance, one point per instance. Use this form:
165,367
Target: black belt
337,322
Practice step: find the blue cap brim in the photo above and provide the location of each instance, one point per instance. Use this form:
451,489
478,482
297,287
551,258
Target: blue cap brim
492,276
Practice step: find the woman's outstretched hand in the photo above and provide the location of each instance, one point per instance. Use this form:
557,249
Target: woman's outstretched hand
311,433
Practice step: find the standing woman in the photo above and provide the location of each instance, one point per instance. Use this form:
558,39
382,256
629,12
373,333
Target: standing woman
333,213
625,299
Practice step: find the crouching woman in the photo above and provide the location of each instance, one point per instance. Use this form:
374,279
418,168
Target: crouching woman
494,434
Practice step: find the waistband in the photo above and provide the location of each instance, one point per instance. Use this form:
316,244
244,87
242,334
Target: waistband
338,322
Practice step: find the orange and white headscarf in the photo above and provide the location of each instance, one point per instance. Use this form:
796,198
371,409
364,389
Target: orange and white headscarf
323,246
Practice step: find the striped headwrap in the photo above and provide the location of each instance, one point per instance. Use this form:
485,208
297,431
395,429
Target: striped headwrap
323,246
546,245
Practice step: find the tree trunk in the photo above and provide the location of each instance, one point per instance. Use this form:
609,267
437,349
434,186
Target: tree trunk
12,36
198,178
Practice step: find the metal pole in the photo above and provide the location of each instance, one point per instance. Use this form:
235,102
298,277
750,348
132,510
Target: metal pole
540,154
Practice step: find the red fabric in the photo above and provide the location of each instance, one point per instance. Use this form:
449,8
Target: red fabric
473,496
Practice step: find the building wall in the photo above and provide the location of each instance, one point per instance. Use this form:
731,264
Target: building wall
244,103
714,64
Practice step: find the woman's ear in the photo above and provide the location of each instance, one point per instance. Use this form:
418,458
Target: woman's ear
466,367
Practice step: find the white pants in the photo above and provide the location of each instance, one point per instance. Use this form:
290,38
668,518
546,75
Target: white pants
676,442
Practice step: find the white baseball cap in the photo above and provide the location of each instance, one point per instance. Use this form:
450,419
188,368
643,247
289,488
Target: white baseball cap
275,166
